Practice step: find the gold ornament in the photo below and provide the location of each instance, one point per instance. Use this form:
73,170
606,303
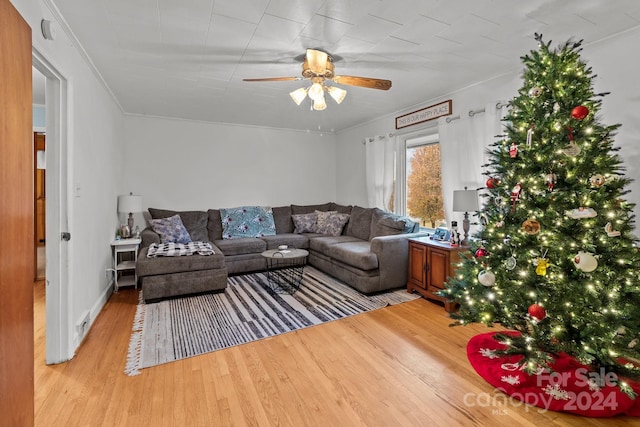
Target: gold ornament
597,180
531,226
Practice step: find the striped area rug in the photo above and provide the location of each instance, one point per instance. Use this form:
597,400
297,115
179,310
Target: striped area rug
246,311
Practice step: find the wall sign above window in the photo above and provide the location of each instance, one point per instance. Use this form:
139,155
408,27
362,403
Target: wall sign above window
424,114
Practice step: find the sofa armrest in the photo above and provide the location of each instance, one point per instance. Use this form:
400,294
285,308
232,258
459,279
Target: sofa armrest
148,237
393,258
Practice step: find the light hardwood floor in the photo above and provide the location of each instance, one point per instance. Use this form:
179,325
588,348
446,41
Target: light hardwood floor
397,366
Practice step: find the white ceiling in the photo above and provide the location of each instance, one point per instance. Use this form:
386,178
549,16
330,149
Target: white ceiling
187,58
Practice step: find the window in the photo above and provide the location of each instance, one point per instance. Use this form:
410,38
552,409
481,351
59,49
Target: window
419,179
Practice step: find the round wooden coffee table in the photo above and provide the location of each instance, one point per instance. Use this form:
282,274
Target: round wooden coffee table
285,268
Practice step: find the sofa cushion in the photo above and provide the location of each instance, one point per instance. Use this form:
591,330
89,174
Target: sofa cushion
357,254
332,224
282,218
214,225
241,246
247,221
304,209
386,224
292,240
360,222
154,266
194,221
171,230
340,208
322,243
305,223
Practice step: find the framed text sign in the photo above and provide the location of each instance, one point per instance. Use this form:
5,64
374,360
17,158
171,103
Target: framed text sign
424,114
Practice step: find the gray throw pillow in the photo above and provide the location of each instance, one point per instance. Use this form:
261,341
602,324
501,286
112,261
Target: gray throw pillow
321,217
305,223
171,230
333,224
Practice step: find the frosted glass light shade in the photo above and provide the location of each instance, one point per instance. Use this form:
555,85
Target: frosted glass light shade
320,104
298,95
337,94
316,92
465,201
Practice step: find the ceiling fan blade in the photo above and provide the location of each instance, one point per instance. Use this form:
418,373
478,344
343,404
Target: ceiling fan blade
317,61
273,79
363,82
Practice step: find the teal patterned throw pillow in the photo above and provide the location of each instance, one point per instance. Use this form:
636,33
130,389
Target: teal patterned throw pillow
247,221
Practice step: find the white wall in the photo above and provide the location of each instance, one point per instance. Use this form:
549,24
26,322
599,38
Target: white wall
95,147
617,72
179,164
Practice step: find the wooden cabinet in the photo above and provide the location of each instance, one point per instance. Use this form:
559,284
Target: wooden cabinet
430,264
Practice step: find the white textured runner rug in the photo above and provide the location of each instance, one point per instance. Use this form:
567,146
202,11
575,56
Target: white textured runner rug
246,311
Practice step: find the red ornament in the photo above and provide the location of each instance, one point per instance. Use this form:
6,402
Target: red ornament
515,192
537,311
580,112
492,183
481,251
513,150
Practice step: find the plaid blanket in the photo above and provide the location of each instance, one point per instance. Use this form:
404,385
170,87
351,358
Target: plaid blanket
179,249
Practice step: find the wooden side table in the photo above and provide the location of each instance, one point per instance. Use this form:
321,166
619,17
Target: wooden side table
124,267
431,263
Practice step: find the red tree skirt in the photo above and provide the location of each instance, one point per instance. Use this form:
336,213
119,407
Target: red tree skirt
569,386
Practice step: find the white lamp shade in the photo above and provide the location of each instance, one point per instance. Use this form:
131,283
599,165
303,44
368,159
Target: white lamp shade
298,95
337,94
129,203
465,201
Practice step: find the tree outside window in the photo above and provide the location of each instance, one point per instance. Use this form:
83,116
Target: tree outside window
424,185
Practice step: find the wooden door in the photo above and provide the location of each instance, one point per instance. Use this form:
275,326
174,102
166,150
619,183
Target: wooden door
16,221
438,268
417,263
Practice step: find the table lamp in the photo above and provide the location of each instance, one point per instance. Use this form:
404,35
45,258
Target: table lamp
129,203
465,201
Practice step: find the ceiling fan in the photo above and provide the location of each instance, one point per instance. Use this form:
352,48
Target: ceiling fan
318,67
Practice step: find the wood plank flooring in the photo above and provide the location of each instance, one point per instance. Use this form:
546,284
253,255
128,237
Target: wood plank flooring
397,366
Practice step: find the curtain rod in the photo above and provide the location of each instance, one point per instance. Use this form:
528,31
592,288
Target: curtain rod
472,113
380,137
499,105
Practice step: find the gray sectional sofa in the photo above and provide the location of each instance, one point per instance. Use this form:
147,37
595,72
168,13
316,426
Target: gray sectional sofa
370,255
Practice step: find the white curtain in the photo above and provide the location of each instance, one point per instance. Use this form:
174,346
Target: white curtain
380,155
463,146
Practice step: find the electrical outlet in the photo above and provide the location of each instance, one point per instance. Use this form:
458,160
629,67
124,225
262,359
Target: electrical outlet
83,325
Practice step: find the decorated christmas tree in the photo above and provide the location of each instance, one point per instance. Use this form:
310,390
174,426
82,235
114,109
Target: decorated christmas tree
555,259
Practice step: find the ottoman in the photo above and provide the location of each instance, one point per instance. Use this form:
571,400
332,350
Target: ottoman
167,277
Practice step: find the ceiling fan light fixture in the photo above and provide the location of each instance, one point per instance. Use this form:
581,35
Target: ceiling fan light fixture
337,94
316,91
319,104
299,95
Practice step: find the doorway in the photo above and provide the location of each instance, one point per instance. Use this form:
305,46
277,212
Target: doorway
38,84
39,203
58,346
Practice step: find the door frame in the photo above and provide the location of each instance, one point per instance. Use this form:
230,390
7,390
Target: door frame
58,304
